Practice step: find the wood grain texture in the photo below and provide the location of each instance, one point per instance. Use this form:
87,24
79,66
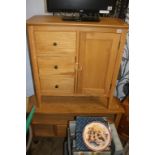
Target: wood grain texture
61,130
117,66
33,59
52,118
45,130
49,66
48,130
53,43
97,59
57,21
83,28
72,106
57,84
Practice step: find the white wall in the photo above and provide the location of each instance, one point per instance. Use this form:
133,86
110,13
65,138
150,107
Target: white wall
33,7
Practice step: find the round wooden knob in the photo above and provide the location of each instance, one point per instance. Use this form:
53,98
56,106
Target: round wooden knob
55,67
54,44
56,86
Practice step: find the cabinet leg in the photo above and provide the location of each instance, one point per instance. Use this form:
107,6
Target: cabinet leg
117,119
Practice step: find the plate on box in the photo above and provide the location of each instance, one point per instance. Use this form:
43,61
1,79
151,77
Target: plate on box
96,136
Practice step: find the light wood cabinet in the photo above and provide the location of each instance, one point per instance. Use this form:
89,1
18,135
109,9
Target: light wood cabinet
74,59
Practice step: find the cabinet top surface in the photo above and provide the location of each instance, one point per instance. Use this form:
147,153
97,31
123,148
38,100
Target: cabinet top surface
57,21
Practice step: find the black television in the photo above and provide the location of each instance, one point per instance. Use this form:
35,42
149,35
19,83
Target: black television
84,7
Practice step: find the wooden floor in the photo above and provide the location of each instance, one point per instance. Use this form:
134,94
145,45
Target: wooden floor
47,146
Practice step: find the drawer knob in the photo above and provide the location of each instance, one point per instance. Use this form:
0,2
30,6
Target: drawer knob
54,44
55,67
56,86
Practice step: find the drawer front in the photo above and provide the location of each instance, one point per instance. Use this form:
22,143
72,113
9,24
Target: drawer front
49,66
49,130
55,43
51,119
43,130
61,130
57,85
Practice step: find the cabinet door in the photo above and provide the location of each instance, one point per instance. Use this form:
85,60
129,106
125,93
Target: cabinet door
98,52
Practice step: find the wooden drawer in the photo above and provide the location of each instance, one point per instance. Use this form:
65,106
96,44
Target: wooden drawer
44,130
48,130
49,66
55,43
57,84
51,119
61,130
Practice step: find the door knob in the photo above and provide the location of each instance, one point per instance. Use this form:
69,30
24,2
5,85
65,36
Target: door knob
55,66
54,44
56,86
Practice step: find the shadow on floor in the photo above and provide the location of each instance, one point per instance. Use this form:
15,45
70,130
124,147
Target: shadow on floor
53,146
46,146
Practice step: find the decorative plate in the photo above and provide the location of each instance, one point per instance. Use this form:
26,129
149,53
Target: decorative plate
96,136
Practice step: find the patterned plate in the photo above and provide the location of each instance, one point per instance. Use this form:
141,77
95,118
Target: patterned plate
96,136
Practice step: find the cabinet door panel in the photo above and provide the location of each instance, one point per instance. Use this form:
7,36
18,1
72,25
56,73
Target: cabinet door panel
97,58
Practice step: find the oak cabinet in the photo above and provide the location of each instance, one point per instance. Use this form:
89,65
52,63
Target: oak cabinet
72,62
75,58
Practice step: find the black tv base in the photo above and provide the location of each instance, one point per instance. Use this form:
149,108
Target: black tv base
81,18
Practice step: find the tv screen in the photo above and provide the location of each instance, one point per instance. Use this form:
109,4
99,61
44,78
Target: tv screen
77,5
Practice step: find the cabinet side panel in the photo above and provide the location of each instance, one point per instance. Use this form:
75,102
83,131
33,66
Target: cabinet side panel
112,59
34,64
117,66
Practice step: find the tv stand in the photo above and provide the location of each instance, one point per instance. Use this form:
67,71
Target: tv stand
82,18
